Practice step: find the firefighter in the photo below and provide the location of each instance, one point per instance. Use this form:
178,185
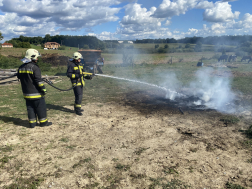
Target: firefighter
33,89
75,73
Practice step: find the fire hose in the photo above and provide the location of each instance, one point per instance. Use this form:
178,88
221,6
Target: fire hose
49,82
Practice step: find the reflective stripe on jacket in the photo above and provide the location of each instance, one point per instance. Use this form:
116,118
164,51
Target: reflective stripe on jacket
31,81
74,72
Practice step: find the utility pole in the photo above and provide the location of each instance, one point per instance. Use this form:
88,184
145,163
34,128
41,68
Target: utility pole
78,47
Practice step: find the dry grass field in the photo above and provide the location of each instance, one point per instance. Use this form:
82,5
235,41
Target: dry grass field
130,135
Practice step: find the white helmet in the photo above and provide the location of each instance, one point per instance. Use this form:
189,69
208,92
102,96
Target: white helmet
77,56
32,54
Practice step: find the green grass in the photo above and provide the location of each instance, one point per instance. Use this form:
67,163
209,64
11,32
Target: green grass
122,167
230,119
26,183
64,139
233,186
163,183
81,162
102,90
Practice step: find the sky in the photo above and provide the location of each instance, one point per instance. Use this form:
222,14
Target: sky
125,19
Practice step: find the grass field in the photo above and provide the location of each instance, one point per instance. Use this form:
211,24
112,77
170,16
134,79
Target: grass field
130,136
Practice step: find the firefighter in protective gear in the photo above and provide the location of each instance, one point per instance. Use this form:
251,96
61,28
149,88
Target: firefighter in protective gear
75,73
33,89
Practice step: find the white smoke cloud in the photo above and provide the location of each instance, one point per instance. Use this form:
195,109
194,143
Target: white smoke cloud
206,89
212,91
171,83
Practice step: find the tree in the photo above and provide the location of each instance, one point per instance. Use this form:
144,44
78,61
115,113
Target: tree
1,37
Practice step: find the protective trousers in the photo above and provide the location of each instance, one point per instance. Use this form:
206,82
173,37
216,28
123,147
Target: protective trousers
78,93
36,110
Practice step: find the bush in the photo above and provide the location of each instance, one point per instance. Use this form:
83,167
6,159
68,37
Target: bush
62,47
25,45
161,50
9,63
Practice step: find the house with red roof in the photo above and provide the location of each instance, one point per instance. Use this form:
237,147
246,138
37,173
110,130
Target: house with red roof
7,45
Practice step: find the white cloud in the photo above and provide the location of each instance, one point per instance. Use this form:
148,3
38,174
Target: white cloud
39,17
138,21
204,5
11,25
228,0
168,22
168,9
65,15
221,12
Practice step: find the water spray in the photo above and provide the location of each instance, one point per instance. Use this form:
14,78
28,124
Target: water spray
141,82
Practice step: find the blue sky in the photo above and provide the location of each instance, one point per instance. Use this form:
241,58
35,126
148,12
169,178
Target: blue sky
125,19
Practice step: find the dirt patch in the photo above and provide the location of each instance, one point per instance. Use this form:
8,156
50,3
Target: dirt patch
137,142
55,59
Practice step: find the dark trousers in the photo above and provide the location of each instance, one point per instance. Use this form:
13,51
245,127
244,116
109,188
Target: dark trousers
78,93
36,110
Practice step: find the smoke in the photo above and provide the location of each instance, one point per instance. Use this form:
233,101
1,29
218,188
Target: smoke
213,91
171,82
207,89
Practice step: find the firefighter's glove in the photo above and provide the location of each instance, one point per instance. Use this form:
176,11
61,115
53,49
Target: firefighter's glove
44,91
88,77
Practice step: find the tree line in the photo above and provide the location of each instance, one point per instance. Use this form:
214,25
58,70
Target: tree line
87,42
211,40
239,43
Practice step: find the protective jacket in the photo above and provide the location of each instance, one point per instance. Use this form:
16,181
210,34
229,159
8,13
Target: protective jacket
75,73
32,84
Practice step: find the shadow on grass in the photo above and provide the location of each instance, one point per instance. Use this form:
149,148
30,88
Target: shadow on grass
60,108
15,121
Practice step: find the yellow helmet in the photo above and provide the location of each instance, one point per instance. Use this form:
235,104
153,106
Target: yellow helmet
32,54
77,56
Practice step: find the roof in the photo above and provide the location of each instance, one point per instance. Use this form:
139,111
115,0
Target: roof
90,50
48,43
6,44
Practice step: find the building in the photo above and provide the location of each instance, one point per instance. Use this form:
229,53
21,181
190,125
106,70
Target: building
131,42
51,45
7,45
120,41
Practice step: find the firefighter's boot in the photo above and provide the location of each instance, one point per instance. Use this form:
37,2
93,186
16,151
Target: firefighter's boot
44,124
78,111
